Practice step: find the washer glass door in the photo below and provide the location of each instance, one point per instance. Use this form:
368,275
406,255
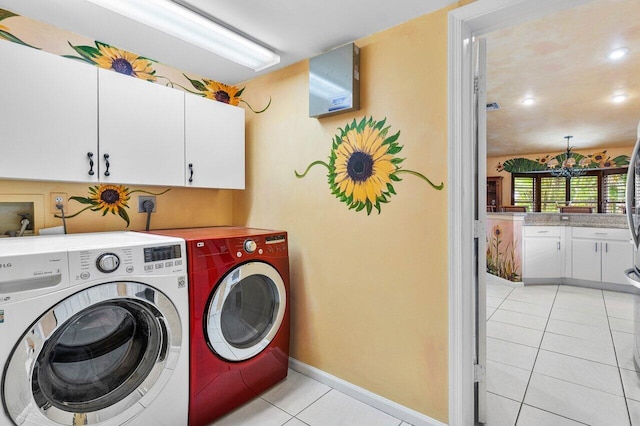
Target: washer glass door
246,311
94,355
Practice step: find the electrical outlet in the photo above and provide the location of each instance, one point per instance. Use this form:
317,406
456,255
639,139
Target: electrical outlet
142,199
57,198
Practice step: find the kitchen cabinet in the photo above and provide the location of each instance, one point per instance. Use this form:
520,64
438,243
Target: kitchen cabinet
48,116
601,254
141,131
214,144
543,252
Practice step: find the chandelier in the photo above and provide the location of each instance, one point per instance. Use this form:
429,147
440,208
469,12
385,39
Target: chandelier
568,168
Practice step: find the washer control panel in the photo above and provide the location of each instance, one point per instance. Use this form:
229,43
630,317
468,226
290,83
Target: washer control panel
119,262
107,262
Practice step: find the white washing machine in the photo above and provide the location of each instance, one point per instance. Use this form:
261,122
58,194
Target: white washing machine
94,330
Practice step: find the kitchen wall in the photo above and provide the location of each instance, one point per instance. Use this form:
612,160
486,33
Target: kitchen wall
369,292
494,164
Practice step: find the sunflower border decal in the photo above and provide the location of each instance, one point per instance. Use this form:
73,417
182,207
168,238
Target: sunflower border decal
363,165
108,198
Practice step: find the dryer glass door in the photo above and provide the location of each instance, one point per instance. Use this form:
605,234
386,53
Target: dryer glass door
246,311
94,355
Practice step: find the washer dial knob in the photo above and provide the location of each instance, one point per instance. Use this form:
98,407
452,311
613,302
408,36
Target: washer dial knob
250,246
107,262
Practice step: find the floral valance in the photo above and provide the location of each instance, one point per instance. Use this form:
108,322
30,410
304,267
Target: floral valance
595,161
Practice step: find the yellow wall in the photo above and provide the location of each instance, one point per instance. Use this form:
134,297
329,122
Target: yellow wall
369,293
492,163
180,207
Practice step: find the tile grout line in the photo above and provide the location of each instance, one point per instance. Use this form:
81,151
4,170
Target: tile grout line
536,358
615,352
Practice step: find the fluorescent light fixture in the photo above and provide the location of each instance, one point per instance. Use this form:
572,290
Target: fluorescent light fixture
175,20
529,101
619,98
618,53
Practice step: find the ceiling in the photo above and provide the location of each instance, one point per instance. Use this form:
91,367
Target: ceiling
560,60
295,29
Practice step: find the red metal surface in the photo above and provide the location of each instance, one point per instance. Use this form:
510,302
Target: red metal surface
218,386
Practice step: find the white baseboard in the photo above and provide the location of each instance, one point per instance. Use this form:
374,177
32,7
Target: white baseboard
383,404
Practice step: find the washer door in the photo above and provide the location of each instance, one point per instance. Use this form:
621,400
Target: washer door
246,311
94,356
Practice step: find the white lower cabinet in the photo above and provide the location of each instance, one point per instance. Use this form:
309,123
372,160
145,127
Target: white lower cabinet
544,254
601,254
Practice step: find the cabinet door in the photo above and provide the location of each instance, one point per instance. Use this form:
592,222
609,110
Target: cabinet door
585,260
543,258
617,256
141,130
48,115
214,144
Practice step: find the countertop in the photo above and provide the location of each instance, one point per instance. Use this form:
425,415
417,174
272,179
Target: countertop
593,220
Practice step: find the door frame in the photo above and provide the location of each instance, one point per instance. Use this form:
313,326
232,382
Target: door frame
474,19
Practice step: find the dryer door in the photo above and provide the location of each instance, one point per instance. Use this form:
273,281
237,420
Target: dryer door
246,311
95,356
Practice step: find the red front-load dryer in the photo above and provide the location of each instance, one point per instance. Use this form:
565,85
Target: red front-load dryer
239,313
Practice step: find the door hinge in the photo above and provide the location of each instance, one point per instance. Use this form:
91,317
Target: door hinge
475,85
479,373
479,230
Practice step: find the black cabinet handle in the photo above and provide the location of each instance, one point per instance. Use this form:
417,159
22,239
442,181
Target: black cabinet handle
106,160
190,172
90,156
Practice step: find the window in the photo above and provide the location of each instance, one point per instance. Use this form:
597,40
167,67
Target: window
613,189
524,192
553,193
603,190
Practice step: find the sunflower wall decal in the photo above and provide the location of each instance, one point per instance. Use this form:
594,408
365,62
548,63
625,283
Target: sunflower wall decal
363,165
5,32
221,92
107,198
112,58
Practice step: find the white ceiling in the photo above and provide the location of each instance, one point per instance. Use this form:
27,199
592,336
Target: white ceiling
295,29
561,61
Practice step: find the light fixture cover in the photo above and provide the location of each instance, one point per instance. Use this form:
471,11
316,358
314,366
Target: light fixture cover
175,20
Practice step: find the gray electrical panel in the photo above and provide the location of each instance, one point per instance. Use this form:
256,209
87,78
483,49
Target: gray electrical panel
334,81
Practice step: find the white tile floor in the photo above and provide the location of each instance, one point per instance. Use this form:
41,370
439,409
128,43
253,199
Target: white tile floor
299,400
560,355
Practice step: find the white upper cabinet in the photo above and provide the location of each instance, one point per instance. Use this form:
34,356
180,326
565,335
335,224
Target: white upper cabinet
48,115
214,144
141,131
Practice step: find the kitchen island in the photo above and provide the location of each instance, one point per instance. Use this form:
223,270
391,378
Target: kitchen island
589,250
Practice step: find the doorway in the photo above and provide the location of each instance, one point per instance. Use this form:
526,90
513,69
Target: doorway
472,20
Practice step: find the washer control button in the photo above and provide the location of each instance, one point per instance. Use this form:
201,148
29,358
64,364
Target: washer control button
239,254
85,275
107,262
129,269
260,251
250,246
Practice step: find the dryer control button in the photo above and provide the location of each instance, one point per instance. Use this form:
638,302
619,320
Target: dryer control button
107,262
239,254
250,246
85,275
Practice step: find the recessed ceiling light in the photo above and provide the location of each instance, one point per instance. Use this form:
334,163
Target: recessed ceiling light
619,98
618,53
529,101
